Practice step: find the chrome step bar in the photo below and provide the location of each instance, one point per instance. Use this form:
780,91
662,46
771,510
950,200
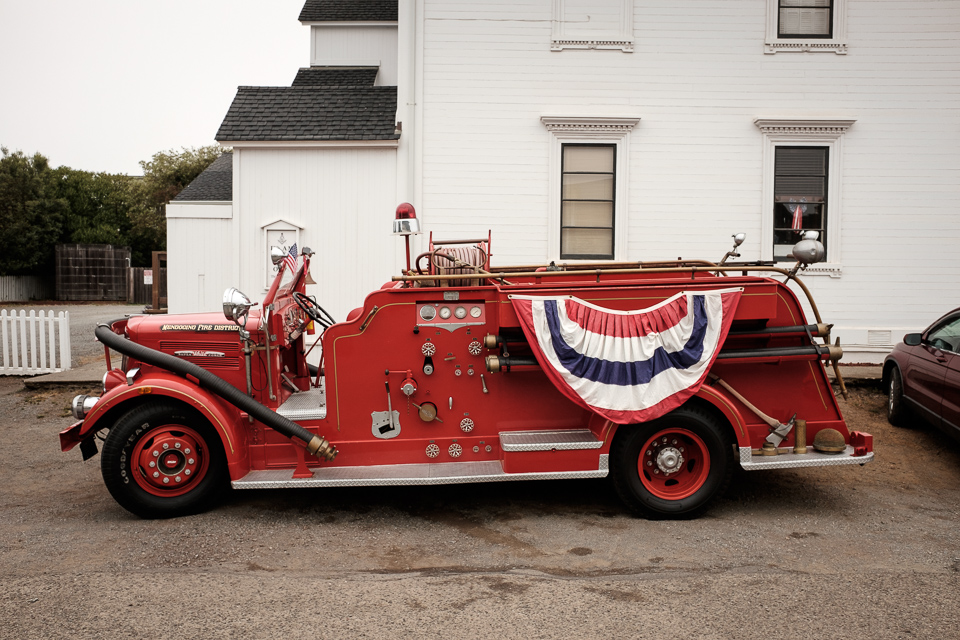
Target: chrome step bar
406,474
792,460
565,440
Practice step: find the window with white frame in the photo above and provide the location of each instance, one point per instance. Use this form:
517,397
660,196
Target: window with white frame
589,165
806,25
802,171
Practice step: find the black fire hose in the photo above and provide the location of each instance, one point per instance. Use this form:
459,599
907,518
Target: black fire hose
316,445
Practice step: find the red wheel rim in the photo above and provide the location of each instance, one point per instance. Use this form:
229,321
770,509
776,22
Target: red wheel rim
169,460
673,464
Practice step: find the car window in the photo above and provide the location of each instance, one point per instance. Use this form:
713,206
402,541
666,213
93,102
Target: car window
946,336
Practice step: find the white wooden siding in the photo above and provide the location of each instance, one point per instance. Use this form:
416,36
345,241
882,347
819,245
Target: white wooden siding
697,79
355,45
344,201
200,262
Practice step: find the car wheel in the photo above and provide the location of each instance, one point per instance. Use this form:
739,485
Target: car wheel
896,410
161,461
672,467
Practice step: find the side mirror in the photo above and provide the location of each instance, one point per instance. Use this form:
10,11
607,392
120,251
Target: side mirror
236,306
912,339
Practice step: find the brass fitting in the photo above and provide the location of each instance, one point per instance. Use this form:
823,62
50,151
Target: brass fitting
491,341
493,364
836,352
800,434
322,448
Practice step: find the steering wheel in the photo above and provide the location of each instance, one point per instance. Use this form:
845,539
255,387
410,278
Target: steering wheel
314,311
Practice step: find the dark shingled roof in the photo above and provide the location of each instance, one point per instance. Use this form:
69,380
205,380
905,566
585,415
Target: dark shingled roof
336,77
349,11
214,184
311,113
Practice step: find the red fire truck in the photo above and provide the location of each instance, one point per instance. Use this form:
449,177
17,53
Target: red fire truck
662,375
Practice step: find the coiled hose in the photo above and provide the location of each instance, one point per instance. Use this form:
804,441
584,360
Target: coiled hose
316,445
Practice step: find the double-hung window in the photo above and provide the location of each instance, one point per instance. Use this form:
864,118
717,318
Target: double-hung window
805,18
799,196
587,201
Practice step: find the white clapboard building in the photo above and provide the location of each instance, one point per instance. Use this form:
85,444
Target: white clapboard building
600,129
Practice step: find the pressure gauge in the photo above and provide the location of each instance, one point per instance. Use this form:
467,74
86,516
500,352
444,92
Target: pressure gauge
428,313
461,313
444,312
475,312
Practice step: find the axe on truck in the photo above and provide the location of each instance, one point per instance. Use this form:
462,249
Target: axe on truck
778,430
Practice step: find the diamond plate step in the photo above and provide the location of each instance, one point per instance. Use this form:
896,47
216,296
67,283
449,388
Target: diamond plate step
565,440
792,460
405,474
305,405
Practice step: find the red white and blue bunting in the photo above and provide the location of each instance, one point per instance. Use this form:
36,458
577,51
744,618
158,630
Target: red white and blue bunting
628,366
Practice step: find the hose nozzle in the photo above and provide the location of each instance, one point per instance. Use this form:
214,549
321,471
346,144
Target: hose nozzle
322,448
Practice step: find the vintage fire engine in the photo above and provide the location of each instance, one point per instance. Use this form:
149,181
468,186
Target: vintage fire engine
661,375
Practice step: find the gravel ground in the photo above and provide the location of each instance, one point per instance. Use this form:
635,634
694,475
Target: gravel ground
841,552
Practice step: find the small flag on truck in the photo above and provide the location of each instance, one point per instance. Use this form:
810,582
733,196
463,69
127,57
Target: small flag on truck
290,260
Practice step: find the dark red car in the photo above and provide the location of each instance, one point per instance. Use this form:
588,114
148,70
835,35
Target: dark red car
922,376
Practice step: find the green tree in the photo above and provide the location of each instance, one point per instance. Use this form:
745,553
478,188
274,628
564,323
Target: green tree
31,213
99,206
164,176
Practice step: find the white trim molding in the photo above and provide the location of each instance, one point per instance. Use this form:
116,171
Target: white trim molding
566,36
613,130
837,44
802,132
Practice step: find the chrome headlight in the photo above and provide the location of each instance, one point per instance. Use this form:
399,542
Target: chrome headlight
82,405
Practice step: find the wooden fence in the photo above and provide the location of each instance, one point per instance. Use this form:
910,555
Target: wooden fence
17,288
30,342
140,293
91,272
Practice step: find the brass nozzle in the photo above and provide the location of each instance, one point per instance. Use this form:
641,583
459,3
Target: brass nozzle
322,448
836,352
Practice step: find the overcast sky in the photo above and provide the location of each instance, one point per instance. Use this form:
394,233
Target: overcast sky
102,84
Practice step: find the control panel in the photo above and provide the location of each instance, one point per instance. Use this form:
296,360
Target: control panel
451,315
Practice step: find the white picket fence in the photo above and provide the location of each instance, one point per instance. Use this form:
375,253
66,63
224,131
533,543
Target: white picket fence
31,341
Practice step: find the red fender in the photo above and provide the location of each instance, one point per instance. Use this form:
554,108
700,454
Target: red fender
225,418
725,405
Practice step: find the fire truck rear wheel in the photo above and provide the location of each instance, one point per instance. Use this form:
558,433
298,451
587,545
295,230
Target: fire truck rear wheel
161,460
672,467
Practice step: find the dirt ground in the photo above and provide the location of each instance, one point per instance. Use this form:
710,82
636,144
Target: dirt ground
843,552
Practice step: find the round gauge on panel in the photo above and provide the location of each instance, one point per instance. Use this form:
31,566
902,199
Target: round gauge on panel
428,313
475,312
461,313
444,312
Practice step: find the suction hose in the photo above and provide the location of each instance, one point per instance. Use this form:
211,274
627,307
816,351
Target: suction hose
316,445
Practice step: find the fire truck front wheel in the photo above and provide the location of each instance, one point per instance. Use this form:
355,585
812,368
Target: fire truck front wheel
672,467
161,460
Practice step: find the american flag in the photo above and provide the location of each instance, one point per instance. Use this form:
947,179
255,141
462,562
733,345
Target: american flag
290,260
797,218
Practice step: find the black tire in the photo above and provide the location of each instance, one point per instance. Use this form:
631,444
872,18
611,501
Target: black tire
698,446
161,460
896,409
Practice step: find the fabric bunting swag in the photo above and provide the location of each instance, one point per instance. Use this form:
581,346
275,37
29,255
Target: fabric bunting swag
628,366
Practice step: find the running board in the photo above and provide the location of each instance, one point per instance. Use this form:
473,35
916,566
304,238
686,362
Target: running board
406,474
792,460
564,440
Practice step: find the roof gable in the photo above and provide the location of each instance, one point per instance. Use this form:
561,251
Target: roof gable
215,184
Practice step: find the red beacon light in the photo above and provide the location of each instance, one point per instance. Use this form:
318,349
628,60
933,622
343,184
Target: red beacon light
406,222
